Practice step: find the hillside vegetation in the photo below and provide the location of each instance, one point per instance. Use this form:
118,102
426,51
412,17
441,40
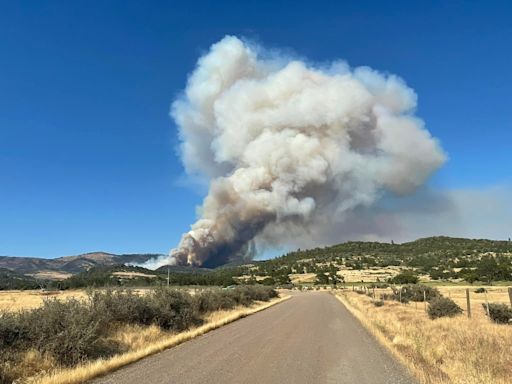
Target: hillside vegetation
433,259
10,280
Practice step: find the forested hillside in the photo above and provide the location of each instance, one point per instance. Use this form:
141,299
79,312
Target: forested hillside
438,257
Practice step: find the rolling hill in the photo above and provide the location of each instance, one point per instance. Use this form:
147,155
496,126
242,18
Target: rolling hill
68,265
440,257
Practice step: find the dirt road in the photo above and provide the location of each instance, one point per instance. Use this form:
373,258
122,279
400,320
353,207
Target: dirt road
310,338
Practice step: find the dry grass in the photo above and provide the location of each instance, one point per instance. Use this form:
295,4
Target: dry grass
448,350
302,278
50,275
458,294
141,342
31,361
18,300
134,337
369,275
28,299
132,275
351,275
247,277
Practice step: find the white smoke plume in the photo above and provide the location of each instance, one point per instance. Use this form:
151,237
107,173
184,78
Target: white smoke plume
287,145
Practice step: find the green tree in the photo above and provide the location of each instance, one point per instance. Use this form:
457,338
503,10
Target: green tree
322,278
487,269
405,277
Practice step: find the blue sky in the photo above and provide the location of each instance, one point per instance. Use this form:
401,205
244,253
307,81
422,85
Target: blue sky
88,155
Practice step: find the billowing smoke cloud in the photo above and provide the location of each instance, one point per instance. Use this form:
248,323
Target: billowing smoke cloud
287,145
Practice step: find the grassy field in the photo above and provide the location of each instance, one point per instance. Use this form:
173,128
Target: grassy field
28,299
494,294
11,301
448,350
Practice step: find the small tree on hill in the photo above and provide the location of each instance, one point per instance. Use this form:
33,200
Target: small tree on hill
405,277
334,278
321,279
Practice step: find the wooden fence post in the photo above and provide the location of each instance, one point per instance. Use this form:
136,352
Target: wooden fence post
510,295
425,300
468,303
487,305
400,294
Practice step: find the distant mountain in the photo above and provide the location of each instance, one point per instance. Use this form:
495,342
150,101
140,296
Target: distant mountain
62,267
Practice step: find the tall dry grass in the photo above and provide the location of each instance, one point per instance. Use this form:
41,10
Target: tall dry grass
12,301
29,299
448,350
494,294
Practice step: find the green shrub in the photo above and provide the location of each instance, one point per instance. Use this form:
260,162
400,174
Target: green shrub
267,281
211,300
123,306
443,306
378,303
68,330
417,292
173,309
12,330
395,296
405,277
379,285
499,313
480,290
240,295
412,292
261,293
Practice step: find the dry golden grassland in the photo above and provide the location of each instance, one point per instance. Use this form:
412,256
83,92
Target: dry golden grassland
18,300
244,278
50,275
302,278
132,275
368,275
138,342
493,295
447,350
29,299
